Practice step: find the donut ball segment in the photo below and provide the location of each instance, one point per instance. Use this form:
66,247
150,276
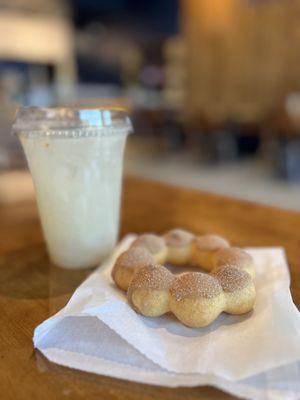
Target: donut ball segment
238,288
128,263
233,256
179,244
196,299
154,244
149,290
204,248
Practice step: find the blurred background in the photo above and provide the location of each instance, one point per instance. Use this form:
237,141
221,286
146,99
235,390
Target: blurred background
213,87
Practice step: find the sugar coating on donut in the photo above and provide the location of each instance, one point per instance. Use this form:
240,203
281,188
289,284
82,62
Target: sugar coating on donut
134,257
148,292
151,242
232,279
128,263
178,237
210,242
232,256
195,284
152,277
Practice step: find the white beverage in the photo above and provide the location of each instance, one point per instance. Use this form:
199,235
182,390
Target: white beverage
78,189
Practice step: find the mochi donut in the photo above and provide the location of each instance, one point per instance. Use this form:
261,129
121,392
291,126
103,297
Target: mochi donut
195,298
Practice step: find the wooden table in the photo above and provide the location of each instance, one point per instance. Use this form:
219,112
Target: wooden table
31,289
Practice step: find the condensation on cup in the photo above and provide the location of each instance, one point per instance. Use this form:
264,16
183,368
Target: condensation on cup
76,159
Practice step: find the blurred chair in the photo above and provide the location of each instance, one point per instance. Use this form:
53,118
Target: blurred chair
241,57
281,144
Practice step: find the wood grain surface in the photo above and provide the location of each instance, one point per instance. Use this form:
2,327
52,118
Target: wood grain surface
31,288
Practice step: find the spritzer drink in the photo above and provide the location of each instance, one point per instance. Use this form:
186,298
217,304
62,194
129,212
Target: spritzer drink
76,158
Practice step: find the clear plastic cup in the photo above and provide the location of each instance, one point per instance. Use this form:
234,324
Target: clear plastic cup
76,159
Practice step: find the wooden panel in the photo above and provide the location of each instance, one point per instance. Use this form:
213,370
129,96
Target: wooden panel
243,56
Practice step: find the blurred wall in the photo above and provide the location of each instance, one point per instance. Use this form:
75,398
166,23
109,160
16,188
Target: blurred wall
243,56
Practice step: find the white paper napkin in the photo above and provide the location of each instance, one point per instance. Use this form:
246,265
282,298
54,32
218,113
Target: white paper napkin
255,356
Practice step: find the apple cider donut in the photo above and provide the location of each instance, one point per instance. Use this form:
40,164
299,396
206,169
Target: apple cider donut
195,298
